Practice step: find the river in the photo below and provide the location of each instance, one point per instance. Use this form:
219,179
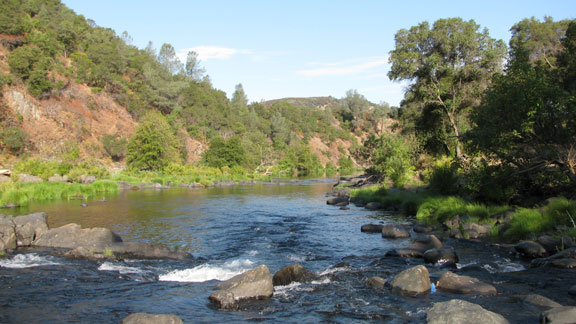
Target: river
228,231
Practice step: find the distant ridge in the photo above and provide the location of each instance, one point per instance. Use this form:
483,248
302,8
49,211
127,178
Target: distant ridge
308,102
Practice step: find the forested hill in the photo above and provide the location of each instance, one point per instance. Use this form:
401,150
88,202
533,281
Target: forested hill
76,91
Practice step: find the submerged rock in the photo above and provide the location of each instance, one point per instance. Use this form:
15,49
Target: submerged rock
394,231
376,282
252,284
417,248
458,311
412,282
454,283
440,256
338,200
373,205
144,318
539,301
292,273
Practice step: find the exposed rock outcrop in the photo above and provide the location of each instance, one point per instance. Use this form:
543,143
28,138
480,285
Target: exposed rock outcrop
252,284
71,236
21,231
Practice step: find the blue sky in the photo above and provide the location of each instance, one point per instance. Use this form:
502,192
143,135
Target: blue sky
297,48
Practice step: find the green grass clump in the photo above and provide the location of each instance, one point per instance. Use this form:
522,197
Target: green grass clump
560,211
526,222
439,209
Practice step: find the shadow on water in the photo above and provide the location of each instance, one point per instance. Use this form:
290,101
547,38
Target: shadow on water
230,230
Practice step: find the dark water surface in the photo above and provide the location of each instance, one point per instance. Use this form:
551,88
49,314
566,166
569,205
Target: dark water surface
230,230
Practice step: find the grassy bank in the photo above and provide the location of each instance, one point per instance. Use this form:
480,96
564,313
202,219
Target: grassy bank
21,194
555,217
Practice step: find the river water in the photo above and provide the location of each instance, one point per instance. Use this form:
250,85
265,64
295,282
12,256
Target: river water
228,231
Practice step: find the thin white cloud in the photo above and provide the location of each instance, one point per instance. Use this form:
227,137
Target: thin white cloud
348,67
212,52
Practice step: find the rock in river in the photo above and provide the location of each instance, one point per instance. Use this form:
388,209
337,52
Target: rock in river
292,273
371,228
394,231
143,318
531,250
458,311
72,235
454,283
412,282
252,284
559,315
440,256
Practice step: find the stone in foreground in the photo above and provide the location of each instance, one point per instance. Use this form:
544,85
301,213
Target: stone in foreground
394,231
412,282
454,283
559,315
144,318
462,312
252,284
292,273
73,235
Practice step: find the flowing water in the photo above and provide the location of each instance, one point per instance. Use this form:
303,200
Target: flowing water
228,231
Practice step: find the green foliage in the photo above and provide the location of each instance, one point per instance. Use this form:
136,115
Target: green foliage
526,222
436,210
300,161
392,158
541,40
444,177
153,145
12,18
449,65
15,139
225,153
560,211
114,146
346,165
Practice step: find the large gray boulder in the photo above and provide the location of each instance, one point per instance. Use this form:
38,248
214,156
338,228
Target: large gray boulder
29,227
252,284
292,273
454,283
559,315
412,282
462,312
144,318
394,231
73,235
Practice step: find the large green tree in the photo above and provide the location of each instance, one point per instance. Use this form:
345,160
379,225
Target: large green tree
528,117
449,66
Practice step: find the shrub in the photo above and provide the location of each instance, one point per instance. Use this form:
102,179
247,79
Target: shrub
225,153
560,211
525,222
444,177
114,146
392,158
15,139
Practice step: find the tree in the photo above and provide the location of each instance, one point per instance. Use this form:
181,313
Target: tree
167,58
153,146
449,66
193,69
239,102
225,153
541,40
527,120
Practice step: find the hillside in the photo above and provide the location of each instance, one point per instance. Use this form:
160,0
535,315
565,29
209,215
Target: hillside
73,89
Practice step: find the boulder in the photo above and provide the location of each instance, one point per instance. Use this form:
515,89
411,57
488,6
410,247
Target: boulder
529,249
456,233
550,244
252,284
373,205
405,253
412,282
458,311
58,178
29,227
72,235
143,318
564,263
426,243
86,179
440,256
475,230
559,315
376,282
337,200
452,223
26,178
7,233
145,250
454,283
539,301
394,231
371,228
292,273
422,229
